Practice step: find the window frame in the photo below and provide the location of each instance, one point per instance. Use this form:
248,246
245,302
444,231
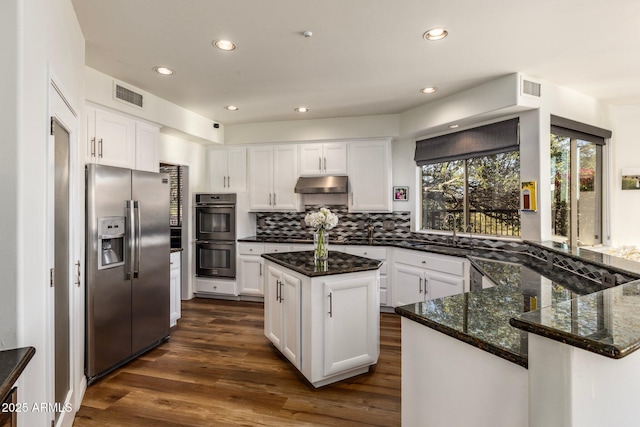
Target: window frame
463,226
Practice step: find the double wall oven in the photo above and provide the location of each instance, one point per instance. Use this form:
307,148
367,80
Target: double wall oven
215,235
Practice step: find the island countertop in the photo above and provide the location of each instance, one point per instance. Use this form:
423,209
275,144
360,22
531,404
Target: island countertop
337,263
481,317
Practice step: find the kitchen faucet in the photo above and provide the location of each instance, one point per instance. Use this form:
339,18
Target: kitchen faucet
455,236
370,228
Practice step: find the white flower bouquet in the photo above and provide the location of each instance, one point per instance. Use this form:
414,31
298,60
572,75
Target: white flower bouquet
323,219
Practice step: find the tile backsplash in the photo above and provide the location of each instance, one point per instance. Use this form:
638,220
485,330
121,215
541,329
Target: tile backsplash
350,224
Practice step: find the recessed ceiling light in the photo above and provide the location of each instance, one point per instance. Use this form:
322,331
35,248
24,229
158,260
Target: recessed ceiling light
163,70
231,108
436,34
302,109
454,126
429,89
224,44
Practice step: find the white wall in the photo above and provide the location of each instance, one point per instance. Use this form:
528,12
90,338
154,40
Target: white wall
624,146
9,75
49,36
314,130
180,152
177,121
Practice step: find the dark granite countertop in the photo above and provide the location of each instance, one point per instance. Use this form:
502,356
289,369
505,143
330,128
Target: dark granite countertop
481,318
606,261
12,363
406,243
176,250
337,263
606,322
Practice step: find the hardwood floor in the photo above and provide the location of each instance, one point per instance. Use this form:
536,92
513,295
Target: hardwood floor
219,369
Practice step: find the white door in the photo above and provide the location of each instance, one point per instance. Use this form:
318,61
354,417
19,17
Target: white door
311,159
260,178
443,285
349,331
290,298
285,176
237,170
115,139
334,159
409,283
250,275
273,307
218,170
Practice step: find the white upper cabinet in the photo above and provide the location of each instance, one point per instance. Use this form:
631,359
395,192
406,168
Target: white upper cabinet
273,172
323,159
115,139
370,176
228,170
147,156
111,139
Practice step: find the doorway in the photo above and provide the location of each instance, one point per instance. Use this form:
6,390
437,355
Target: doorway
65,312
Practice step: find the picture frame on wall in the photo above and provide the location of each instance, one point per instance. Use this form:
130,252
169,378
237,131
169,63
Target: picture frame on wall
400,194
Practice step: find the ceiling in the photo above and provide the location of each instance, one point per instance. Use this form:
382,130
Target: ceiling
365,57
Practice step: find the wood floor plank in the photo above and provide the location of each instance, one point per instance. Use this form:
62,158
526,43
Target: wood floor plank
218,369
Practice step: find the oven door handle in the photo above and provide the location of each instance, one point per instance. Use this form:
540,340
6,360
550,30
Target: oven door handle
215,242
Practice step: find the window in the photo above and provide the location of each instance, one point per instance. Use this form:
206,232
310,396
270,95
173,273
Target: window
576,182
475,176
481,192
175,173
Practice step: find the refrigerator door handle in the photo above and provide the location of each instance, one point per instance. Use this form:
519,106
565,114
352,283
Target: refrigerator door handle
136,268
130,227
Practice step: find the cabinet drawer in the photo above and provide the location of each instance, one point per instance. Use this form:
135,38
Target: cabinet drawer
175,260
368,252
216,286
250,249
276,248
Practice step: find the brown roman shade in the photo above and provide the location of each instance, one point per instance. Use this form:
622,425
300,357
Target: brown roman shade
485,140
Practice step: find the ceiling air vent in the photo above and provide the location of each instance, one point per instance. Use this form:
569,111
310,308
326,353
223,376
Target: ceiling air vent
127,95
531,88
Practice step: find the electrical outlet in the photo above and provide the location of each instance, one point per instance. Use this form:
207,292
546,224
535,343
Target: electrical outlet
361,224
262,222
388,225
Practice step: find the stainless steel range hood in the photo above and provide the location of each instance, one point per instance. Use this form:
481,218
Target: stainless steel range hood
322,185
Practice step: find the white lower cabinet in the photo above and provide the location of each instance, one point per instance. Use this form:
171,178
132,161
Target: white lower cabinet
419,276
327,326
250,269
175,287
379,253
220,287
282,313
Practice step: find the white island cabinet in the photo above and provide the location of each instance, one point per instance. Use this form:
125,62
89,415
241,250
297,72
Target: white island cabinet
326,324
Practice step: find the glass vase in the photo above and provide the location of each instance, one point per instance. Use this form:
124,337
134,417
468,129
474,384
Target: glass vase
320,245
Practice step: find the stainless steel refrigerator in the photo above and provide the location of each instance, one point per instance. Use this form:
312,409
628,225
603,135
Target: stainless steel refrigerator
127,265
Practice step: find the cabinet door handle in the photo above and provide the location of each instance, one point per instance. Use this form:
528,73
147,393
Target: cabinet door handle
93,147
274,199
229,181
100,148
269,199
278,290
426,283
78,272
281,286
325,164
260,270
224,181
420,286
330,304
320,164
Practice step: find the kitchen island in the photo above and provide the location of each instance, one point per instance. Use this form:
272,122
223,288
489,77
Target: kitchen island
549,329
323,316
